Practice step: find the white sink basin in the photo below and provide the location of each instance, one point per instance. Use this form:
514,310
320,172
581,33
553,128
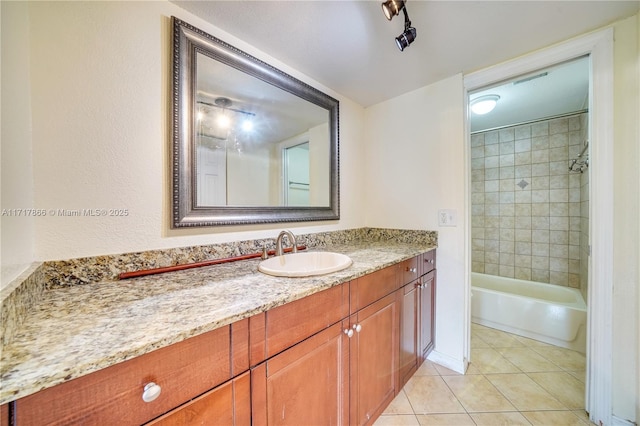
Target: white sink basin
305,264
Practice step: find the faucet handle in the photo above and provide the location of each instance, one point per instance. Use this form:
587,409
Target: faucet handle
265,253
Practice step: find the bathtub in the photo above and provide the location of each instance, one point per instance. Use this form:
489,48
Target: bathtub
545,312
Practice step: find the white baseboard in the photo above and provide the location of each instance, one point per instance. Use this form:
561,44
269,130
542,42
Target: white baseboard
457,365
617,421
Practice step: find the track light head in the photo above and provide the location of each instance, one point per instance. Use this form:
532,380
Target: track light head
392,8
406,38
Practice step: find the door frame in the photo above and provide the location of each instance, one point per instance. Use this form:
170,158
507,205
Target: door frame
599,46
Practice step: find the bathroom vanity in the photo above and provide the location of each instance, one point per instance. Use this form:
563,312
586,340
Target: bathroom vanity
333,349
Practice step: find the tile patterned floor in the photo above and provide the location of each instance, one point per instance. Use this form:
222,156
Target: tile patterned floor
511,380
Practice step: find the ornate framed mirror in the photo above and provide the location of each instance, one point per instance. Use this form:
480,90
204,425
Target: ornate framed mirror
251,144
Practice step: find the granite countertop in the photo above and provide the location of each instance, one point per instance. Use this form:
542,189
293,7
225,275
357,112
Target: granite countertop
73,331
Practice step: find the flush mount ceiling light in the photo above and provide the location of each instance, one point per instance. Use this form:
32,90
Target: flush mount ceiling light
392,8
484,104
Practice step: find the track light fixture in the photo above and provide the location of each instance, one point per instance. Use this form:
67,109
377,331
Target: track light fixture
391,8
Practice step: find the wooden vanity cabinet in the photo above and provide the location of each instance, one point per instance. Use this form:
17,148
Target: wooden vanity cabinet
427,304
417,317
320,374
289,324
228,404
300,361
374,345
409,299
409,270
338,356
428,262
305,384
114,395
373,359
4,415
427,295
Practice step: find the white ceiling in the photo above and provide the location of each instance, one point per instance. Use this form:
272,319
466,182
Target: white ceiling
554,91
349,45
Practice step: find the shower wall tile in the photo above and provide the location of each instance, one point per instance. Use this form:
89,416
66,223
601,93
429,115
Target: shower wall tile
528,212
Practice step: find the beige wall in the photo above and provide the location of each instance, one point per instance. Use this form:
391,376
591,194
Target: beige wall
626,275
414,166
100,111
17,168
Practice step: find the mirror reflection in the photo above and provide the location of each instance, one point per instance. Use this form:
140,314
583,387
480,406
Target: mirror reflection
246,131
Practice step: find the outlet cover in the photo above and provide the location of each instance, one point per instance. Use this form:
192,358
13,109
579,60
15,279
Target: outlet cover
447,217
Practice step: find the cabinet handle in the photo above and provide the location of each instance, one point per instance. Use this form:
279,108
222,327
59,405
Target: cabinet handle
151,392
429,261
348,332
412,270
357,328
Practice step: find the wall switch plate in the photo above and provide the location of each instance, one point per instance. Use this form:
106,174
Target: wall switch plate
447,217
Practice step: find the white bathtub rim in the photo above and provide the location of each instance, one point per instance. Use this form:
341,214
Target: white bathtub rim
556,323
578,304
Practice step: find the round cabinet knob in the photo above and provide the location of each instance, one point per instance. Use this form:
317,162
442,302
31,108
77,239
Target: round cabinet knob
348,332
412,270
151,392
357,327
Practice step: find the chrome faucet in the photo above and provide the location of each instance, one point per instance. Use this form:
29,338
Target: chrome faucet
292,240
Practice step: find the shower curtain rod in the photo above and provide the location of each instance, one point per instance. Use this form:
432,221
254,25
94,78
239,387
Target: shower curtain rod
522,123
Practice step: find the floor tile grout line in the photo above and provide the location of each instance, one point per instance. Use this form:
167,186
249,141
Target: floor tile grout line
482,373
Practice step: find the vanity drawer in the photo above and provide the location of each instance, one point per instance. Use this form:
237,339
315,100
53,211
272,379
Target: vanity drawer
228,404
428,261
409,270
369,288
287,325
114,395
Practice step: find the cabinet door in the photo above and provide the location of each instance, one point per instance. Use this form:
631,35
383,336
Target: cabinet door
427,313
409,338
306,384
227,405
4,415
374,359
